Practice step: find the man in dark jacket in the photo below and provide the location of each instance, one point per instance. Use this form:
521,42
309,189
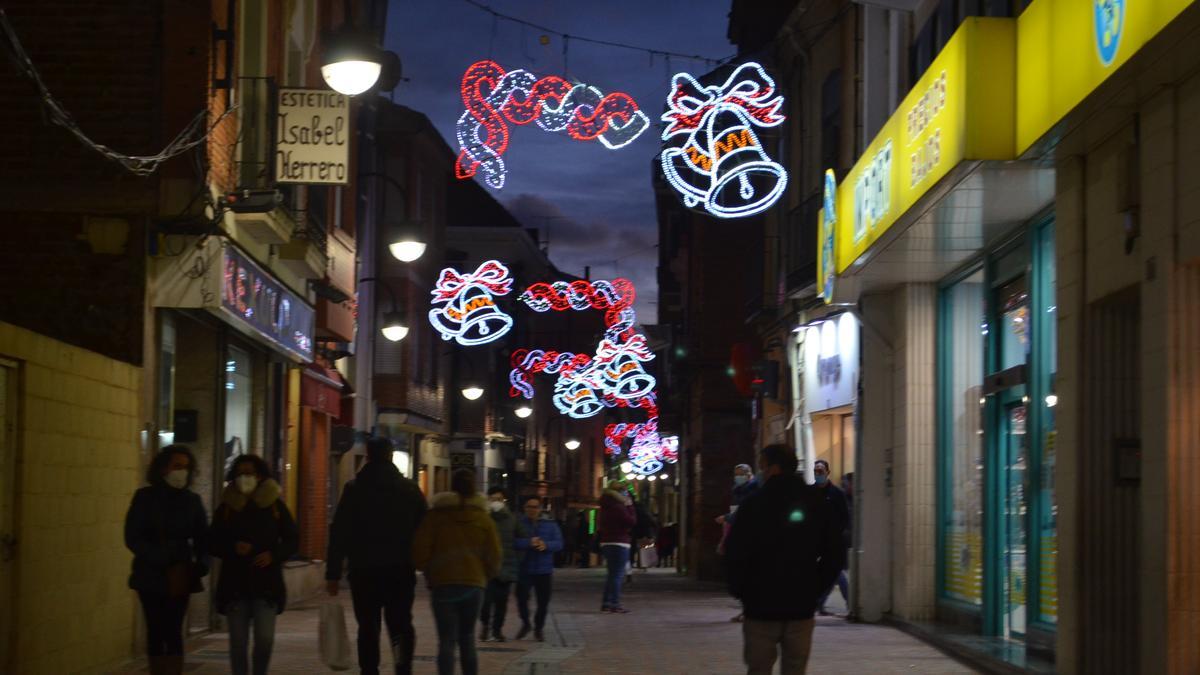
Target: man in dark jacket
373,526
840,504
495,596
784,550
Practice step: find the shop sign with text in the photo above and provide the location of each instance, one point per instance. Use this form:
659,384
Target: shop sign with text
312,137
260,302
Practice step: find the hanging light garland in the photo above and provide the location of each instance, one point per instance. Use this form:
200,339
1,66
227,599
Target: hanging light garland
493,98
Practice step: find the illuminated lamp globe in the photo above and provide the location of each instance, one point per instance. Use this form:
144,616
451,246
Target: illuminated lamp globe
641,477
572,444
393,326
524,411
664,477
628,476
351,64
626,466
652,478
472,392
407,249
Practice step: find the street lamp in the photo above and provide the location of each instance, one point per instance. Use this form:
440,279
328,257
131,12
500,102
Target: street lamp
626,467
572,444
407,244
394,328
472,392
351,63
524,411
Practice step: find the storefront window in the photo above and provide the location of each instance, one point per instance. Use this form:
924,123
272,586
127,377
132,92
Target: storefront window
961,366
238,398
1047,508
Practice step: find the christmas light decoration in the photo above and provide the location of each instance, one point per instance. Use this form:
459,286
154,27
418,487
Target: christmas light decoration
493,97
464,308
711,153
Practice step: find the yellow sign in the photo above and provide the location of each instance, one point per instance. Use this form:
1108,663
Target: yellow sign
1067,48
962,108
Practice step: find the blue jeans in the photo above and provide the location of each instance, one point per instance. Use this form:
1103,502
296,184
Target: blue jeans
240,615
616,558
843,585
455,610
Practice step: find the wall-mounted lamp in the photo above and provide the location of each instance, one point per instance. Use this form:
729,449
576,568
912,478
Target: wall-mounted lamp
571,444
472,392
394,327
523,411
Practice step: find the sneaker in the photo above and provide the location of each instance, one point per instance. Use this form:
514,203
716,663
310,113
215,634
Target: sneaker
619,610
483,634
498,637
738,619
823,612
539,636
523,632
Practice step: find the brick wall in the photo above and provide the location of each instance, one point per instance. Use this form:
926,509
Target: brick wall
77,468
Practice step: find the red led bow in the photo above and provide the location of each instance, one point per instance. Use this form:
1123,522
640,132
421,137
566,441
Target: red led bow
491,275
748,88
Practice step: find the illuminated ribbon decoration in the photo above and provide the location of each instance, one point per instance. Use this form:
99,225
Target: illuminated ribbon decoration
711,153
493,97
616,297
463,306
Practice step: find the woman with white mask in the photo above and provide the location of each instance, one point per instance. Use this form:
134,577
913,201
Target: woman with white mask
166,528
253,533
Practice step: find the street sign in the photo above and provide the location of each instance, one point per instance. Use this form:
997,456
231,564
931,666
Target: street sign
312,139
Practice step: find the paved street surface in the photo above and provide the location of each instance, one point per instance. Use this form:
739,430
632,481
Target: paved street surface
674,626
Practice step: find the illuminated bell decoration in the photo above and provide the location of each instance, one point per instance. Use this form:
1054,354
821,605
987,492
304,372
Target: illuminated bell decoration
493,98
464,306
711,154
576,398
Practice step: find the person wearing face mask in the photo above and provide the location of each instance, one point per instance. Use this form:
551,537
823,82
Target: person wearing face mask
495,596
166,529
745,483
542,538
785,547
837,501
253,533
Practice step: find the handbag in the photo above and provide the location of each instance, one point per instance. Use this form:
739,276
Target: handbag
332,639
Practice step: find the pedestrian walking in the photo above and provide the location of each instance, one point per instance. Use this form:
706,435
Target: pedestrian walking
458,548
253,533
644,531
840,503
617,518
667,538
542,541
166,529
373,527
495,596
744,485
785,547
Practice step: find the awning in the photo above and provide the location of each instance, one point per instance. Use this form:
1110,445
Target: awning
321,389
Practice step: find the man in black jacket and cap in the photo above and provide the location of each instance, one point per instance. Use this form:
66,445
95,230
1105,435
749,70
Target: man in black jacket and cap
373,527
784,550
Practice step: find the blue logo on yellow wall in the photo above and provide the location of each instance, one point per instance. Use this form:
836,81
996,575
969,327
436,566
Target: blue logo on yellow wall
1110,23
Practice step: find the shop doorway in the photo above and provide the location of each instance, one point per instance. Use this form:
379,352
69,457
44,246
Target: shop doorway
834,440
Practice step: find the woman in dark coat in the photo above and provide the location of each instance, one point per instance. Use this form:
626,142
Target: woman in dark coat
253,534
166,528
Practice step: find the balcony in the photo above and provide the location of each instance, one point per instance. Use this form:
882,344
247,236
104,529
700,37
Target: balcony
304,253
254,160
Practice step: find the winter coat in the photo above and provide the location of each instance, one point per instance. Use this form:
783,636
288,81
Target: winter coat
164,527
537,562
740,493
510,530
263,521
617,518
457,543
375,520
784,550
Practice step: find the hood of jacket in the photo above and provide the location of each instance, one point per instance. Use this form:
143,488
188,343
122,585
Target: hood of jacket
450,502
266,494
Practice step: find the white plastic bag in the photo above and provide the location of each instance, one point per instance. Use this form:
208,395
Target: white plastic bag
650,556
334,642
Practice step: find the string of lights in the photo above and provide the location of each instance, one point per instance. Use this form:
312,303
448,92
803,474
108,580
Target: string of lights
568,38
192,135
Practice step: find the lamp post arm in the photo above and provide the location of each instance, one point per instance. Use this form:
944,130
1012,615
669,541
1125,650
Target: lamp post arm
387,287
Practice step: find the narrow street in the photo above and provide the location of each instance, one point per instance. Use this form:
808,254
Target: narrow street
675,625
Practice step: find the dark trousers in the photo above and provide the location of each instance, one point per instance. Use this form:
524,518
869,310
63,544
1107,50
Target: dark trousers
164,623
495,605
388,590
540,583
455,609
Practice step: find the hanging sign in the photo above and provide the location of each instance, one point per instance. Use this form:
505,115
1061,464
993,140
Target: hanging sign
493,98
312,137
711,153
464,305
825,256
